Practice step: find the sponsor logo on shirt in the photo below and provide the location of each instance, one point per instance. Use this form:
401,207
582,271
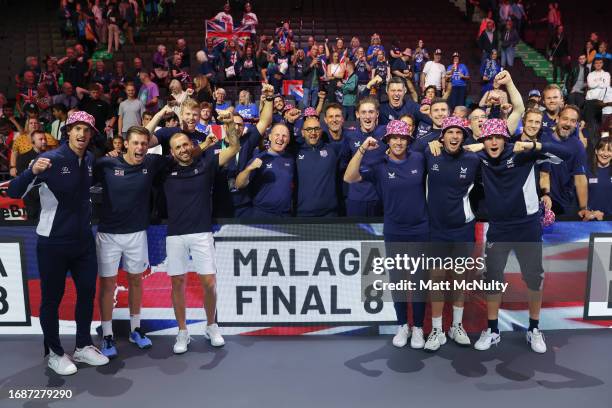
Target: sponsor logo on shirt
300,157
391,175
323,153
269,165
119,172
144,171
593,180
65,170
486,163
287,164
174,173
463,172
510,163
90,171
357,144
415,171
195,171
435,167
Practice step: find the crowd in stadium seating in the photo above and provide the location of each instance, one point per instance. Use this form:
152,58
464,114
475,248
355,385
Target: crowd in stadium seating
336,75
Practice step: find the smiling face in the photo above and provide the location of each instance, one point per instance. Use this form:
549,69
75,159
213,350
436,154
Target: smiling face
532,125
397,147
452,140
396,93
367,116
409,122
278,103
312,130
190,118
567,123
279,138
334,119
130,91
553,100
439,112
494,145
136,147
604,154
181,148
78,137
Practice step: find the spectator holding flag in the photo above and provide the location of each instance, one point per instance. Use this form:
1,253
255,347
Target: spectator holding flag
225,16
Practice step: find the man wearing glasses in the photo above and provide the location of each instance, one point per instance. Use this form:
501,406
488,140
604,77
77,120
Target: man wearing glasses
317,167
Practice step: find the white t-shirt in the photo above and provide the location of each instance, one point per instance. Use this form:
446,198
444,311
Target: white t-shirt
223,16
598,82
250,19
434,72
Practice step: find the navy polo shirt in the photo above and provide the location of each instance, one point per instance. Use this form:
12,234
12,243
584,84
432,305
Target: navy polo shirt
401,186
421,144
600,189
389,113
317,169
126,192
189,195
164,134
353,139
450,178
271,185
562,188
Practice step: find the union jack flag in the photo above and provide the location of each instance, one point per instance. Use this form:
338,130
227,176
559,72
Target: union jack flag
221,32
293,87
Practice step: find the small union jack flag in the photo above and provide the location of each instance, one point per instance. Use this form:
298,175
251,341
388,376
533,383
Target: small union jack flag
293,87
221,32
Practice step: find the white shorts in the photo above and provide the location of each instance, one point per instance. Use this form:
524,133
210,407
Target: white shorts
200,246
111,248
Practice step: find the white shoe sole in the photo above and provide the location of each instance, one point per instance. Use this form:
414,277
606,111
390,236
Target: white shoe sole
206,336
479,348
181,351
91,363
64,373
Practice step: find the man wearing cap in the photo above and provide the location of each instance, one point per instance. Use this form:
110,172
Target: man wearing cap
514,221
451,173
399,179
568,182
398,104
459,76
536,96
65,240
433,73
362,199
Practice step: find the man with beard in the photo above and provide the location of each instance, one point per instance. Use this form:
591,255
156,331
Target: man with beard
188,187
39,146
514,222
439,111
317,167
568,182
398,105
122,231
65,241
270,177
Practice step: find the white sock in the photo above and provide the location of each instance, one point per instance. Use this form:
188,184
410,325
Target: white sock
182,331
436,323
457,315
107,328
134,322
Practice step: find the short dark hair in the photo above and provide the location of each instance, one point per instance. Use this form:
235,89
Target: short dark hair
368,99
137,130
36,132
571,107
148,113
59,107
439,100
331,105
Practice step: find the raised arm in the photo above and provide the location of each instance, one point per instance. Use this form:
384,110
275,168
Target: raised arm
352,174
265,116
243,178
518,108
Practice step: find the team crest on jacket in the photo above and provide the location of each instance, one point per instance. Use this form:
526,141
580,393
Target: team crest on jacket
300,157
435,167
357,144
144,171
510,162
119,172
323,153
391,175
268,165
65,170
463,172
415,171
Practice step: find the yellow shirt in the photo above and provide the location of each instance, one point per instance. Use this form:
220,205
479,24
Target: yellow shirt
23,143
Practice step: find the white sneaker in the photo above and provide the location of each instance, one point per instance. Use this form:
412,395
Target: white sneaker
401,338
458,334
418,340
536,339
61,364
182,342
90,355
486,339
436,339
212,333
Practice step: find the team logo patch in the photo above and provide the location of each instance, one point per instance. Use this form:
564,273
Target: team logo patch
510,162
595,181
463,172
174,173
287,164
391,175
323,153
435,167
195,171
144,171
415,171
300,157
65,170
357,144
119,172
268,165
